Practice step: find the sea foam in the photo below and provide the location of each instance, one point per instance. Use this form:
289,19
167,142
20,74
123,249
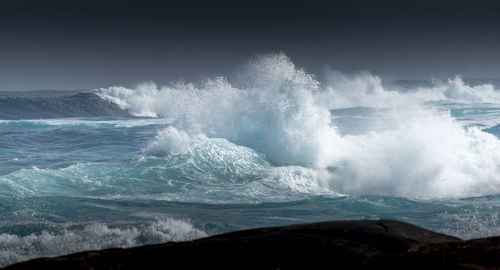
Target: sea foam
14,248
285,114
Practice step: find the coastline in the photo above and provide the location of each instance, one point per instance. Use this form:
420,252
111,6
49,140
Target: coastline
356,244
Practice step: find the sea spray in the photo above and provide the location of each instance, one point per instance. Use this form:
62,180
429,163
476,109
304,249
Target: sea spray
286,115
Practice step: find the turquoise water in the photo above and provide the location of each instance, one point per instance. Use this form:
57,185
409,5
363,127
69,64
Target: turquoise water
118,167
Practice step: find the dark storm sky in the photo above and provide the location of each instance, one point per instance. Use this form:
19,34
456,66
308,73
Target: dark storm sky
88,44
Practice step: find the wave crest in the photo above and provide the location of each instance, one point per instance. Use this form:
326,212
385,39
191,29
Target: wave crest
280,111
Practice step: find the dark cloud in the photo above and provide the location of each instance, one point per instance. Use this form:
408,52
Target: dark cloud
87,44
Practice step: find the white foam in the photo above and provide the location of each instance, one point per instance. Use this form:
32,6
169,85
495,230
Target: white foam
276,114
365,89
284,113
476,220
14,248
427,155
171,141
457,90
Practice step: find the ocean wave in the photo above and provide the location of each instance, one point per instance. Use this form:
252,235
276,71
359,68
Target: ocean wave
368,90
15,248
48,105
209,170
285,114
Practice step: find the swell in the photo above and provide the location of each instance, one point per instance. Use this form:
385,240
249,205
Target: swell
59,105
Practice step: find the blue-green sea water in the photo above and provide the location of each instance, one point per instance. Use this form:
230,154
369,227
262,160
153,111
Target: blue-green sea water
120,167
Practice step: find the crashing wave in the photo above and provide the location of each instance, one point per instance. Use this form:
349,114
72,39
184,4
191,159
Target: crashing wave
14,248
281,111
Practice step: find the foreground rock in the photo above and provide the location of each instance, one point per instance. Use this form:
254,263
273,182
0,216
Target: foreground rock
370,244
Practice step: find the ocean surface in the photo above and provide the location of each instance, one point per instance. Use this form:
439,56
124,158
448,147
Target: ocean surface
271,145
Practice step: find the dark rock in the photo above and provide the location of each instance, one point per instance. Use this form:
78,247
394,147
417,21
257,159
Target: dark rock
370,244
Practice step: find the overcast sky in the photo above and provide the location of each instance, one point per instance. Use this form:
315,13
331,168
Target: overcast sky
89,44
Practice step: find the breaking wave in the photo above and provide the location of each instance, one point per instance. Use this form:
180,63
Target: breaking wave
415,148
14,248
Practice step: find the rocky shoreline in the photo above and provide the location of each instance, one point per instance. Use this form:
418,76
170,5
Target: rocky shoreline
359,244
